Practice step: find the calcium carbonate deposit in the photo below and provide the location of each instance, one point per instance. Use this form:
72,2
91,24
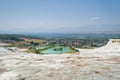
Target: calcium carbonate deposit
95,64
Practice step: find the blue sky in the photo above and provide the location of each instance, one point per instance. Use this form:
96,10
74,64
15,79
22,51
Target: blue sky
59,16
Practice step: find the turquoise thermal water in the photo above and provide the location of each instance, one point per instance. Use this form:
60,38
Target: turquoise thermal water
52,51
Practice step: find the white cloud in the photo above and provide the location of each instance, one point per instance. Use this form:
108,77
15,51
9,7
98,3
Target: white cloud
96,18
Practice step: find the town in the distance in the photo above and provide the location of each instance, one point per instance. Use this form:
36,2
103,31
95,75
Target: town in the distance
56,43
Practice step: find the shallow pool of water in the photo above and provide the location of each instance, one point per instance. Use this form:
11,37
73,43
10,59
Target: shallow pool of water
53,51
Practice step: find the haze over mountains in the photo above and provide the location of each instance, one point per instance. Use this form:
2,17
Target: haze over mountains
71,30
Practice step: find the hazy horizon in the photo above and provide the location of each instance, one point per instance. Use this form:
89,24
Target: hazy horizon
59,16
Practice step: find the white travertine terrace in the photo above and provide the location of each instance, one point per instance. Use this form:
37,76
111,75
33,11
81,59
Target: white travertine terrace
95,64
